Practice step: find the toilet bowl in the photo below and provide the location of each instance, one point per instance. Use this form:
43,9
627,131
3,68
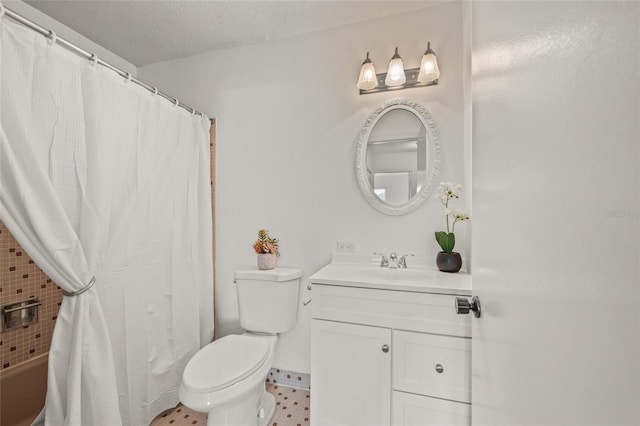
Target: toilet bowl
226,378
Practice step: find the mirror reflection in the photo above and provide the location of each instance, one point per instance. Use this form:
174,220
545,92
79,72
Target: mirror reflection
398,157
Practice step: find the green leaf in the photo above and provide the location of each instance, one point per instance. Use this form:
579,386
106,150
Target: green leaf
447,241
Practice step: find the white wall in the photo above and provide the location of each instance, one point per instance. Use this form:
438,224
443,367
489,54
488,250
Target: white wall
68,34
288,119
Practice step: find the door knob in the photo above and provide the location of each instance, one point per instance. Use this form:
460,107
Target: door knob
464,305
385,348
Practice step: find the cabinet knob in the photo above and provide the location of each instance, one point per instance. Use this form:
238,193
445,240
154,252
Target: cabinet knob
385,348
439,368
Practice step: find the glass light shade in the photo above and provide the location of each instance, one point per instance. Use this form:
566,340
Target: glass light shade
429,66
367,79
395,73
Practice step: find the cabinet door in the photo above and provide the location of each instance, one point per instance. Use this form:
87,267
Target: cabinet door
416,410
350,374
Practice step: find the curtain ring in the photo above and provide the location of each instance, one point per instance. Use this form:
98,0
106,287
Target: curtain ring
1,10
155,90
82,290
94,58
127,78
177,103
52,37
193,110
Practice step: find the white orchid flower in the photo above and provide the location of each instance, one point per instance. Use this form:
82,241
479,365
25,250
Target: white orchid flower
460,214
446,192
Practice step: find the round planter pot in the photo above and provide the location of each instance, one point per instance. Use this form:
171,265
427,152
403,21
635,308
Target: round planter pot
449,262
267,261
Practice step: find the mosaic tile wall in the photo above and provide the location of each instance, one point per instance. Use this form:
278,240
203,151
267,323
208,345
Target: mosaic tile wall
21,279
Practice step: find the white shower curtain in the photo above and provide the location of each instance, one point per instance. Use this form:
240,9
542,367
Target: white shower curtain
100,178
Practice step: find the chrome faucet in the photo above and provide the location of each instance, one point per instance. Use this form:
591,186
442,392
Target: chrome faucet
393,260
402,263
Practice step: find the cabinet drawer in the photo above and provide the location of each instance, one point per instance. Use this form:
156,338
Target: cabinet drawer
428,364
432,313
415,410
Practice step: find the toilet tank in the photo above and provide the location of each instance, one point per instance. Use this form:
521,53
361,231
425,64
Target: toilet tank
268,299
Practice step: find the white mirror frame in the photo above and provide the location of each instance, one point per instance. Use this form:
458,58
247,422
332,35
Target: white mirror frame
433,168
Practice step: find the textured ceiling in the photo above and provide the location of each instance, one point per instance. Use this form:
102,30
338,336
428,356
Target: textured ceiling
145,32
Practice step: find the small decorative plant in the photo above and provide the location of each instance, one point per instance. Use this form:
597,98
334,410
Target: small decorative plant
266,243
447,192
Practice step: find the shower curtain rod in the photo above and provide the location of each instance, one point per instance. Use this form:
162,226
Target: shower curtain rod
78,50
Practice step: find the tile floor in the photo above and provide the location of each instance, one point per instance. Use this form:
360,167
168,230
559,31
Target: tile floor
292,409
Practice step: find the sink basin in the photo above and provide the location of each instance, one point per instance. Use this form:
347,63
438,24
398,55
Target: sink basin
373,273
363,271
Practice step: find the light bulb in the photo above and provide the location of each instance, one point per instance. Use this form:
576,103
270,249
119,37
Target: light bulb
429,71
395,73
367,79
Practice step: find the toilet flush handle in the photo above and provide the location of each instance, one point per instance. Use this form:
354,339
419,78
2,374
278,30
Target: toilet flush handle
308,301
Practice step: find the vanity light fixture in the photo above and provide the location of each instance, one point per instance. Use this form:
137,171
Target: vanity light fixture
396,77
367,79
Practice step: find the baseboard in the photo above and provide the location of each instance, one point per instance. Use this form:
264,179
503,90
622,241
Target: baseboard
290,379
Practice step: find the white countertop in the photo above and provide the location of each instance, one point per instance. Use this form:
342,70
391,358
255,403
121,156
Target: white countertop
357,270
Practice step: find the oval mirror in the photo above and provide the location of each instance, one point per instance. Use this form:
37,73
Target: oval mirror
398,156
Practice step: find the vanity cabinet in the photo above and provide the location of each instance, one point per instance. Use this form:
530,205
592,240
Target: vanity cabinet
386,357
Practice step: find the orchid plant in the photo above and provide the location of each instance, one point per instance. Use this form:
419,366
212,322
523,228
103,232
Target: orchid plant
447,192
266,243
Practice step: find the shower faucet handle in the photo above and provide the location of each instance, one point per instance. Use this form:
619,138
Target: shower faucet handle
384,262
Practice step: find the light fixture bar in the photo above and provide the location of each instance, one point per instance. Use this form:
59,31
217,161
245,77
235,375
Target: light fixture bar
412,81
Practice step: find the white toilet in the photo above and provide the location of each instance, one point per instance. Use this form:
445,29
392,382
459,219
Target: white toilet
226,378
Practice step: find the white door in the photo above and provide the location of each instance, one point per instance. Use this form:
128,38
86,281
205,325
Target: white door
352,374
556,213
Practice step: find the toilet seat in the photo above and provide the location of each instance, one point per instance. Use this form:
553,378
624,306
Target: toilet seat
225,362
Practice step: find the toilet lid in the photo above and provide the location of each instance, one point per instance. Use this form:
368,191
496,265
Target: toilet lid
225,362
